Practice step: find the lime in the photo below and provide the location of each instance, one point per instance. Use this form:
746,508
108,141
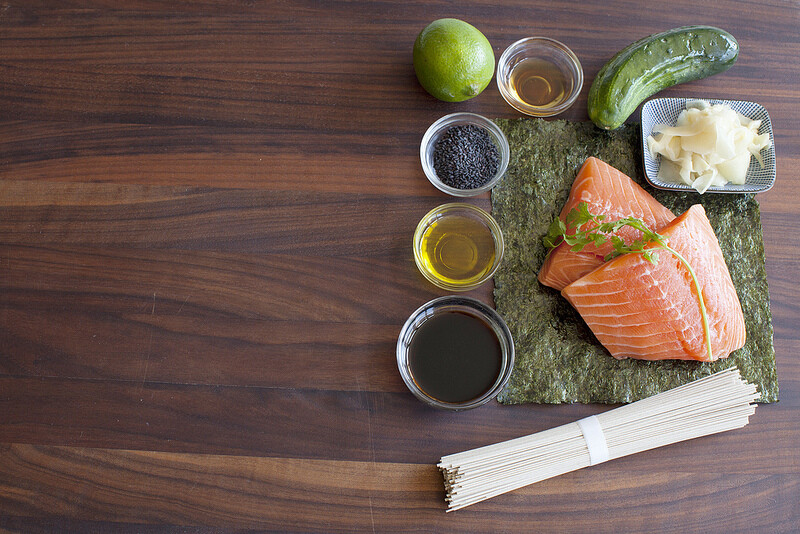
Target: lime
453,60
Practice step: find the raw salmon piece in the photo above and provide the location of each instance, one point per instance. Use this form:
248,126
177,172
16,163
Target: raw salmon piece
651,312
562,266
608,192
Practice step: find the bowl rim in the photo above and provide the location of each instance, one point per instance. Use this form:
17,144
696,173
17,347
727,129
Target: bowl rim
650,165
486,218
551,44
446,304
435,130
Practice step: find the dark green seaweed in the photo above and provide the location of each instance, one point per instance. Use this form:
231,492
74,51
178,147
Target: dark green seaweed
558,359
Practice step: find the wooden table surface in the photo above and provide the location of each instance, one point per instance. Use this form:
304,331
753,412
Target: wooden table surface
206,211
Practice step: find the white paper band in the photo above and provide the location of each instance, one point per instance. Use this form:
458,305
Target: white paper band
595,439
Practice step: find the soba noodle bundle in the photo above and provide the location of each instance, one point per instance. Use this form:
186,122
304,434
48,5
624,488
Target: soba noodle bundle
716,403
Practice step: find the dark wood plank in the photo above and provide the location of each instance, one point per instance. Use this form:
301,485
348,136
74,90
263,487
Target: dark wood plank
324,424
259,65
299,495
120,311
355,226
355,161
288,494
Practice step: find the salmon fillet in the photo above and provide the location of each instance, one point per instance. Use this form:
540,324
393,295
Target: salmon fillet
651,312
608,192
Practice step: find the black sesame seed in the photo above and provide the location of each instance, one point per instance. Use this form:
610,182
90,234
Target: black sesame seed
465,157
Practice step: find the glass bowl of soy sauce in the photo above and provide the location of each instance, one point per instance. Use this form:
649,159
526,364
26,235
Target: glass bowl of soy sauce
455,353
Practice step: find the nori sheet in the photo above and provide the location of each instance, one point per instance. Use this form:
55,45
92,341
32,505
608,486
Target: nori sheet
558,359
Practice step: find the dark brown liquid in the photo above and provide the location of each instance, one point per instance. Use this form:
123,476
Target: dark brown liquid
455,357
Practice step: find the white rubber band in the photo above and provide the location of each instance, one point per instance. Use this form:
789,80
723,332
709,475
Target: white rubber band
595,439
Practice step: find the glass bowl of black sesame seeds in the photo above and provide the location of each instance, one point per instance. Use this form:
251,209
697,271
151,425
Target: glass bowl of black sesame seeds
464,154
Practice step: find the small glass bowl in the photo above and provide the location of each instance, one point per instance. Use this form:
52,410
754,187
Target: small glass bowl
438,128
546,50
470,306
470,245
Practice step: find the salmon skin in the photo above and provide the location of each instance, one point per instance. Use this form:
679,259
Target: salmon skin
652,312
611,193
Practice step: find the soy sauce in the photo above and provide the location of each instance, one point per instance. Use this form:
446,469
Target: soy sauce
455,357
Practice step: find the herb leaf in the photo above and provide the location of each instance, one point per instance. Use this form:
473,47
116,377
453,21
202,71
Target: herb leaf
555,233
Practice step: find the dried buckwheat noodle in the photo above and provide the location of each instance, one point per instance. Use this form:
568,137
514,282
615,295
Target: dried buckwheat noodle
716,403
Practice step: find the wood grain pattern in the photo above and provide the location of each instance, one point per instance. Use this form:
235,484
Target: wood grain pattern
249,492
246,492
206,212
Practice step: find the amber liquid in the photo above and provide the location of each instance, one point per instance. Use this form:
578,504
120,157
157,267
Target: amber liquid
455,357
539,83
458,250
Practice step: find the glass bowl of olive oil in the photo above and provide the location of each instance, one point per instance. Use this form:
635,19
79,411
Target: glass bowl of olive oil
455,353
539,76
458,246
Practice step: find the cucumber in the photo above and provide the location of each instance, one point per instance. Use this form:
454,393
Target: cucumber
654,63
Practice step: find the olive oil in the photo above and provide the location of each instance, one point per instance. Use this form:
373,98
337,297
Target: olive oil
455,357
458,250
539,83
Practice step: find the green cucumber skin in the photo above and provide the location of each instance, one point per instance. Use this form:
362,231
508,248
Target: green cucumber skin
654,63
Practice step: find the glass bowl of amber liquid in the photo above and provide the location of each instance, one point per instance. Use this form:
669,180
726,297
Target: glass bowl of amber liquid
539,76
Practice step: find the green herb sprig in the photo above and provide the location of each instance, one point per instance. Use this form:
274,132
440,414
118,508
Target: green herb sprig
599,233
